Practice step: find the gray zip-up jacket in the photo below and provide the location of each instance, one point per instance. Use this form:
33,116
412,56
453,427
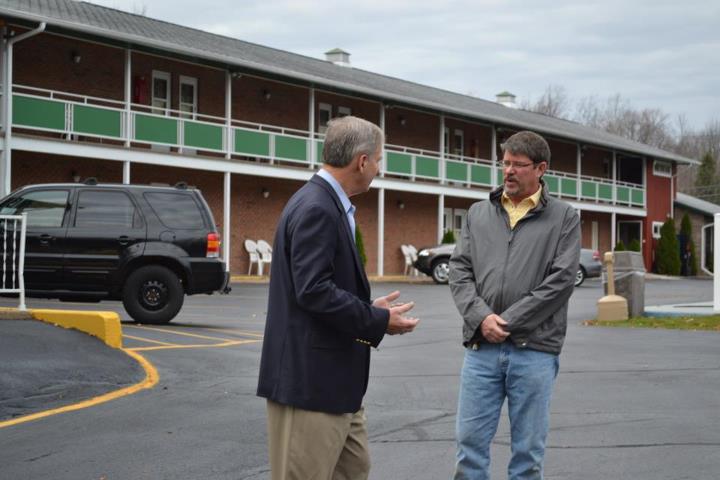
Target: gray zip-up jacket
525,275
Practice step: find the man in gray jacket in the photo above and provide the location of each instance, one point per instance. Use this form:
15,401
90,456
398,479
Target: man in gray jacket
511,276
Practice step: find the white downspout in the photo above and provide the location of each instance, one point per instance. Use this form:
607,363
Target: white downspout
7,107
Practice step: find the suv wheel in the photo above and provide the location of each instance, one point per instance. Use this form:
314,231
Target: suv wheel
580,277
153,294
440,271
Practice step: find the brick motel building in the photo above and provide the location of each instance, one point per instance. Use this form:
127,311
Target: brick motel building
96,92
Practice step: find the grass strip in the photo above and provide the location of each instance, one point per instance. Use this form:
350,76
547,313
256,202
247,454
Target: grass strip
711,322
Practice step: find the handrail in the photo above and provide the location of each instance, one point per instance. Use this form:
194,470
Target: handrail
17,282
238,124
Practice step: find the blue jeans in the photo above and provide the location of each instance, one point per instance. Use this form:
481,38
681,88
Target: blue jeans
489,374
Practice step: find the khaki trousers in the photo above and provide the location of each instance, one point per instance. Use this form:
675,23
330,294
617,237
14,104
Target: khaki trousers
307,445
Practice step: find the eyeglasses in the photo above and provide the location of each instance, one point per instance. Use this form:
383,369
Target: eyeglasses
514,165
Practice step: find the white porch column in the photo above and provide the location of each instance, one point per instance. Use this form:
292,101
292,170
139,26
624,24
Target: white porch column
493,158
312,148
226,221
381,233
579,171
6,184
614,179
613,233
126,172
383,164
440,215
6,177
716,262
228,115
128,99
442,149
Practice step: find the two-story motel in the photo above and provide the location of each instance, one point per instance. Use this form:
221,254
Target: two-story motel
95,92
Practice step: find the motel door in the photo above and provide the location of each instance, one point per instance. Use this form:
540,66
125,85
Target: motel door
629,230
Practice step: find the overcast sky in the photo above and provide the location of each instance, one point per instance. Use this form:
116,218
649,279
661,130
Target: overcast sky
656,53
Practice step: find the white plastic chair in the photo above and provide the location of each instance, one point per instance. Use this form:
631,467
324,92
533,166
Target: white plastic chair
265,251
412,253
408,259
252,248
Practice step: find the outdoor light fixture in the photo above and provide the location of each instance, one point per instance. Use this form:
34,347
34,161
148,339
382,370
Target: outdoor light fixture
75,56
265,192
75,176
266,94
236,74
401,204
402,120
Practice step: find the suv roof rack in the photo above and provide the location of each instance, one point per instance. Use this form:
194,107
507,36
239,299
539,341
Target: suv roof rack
91,181
181,185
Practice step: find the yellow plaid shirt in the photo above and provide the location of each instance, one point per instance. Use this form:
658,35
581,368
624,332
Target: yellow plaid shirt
516,212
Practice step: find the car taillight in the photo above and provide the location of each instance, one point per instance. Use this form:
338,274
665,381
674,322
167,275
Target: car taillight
596,255
213,245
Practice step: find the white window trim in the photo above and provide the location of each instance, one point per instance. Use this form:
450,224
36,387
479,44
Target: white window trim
344,111
656,226
188,81
703,248
324,107
162,76
662,173
462,213
447,219
595,235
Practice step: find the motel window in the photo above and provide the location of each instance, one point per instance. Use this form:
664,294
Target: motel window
456,144
662,169
188,97
344,111
324,116
160,92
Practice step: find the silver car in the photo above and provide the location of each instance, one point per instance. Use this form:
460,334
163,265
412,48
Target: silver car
435,262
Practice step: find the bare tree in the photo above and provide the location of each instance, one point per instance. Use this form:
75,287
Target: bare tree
554,102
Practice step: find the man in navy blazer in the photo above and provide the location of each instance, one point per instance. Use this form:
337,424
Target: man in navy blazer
321,322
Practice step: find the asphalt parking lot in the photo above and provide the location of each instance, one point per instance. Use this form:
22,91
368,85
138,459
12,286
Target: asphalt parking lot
629,404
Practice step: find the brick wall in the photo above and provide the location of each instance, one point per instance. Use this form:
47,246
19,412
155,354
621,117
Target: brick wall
366,109
414,224
30,167
420,130
659,206
286,107
45,61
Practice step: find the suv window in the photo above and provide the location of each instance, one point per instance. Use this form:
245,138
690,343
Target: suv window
176,210
44,208
106,209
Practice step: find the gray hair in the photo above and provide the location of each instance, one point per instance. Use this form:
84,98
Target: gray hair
529,144
349,136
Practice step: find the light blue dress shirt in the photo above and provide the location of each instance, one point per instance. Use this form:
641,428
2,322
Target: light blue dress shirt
344,199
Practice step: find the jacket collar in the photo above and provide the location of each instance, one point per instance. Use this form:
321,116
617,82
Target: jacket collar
496,197
318,180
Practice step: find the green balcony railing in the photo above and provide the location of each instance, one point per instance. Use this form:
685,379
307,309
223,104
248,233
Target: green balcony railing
46,110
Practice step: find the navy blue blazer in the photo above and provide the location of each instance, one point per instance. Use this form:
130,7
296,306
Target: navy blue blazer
320,321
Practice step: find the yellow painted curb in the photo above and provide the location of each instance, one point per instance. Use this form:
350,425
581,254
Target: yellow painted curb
151,379
104,325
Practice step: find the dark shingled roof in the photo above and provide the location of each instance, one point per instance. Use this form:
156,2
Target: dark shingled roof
143,31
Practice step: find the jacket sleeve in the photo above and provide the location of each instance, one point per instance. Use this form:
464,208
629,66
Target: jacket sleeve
313,237
529,312
462,279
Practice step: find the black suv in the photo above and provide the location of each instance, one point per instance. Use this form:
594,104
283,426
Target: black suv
148,246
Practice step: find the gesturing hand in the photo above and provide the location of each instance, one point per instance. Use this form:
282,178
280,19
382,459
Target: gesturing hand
398,324
492,329
386,301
